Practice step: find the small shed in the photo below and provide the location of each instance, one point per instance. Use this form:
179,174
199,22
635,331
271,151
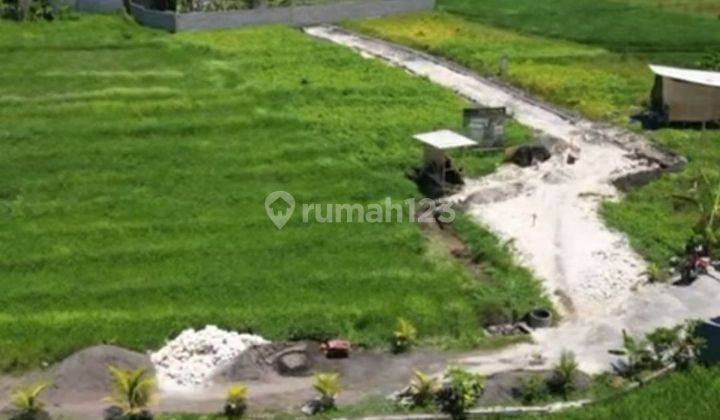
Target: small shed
684,95
438,167
485,125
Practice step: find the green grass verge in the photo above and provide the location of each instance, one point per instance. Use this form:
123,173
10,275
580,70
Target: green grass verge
711,7
134,165
598,68
692,394
615,25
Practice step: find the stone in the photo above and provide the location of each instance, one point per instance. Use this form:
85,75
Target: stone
295,363
528,154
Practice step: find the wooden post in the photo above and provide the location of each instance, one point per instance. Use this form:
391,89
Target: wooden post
502,69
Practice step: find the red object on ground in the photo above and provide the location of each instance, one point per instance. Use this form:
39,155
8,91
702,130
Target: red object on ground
336,349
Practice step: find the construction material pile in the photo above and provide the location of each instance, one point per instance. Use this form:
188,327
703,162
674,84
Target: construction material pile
189,360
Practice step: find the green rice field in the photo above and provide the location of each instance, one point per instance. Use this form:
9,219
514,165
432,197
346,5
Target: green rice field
134,165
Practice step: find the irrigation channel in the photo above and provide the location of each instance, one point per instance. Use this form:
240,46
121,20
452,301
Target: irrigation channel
550,213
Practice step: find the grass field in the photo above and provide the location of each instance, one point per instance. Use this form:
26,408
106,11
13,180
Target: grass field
134,166
681,395
590,57
711,7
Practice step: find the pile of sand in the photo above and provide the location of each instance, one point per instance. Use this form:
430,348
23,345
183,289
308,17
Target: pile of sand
193,357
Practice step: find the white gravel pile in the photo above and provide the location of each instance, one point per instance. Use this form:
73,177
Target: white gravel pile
189,360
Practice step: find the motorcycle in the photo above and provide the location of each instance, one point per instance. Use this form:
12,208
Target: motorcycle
697,264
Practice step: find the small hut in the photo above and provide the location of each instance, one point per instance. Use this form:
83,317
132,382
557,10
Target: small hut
438,173
683,95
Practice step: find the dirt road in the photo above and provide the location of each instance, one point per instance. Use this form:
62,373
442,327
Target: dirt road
550,213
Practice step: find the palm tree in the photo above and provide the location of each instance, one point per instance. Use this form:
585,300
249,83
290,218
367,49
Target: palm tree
564,373
133,391
423,388
27,400
328,385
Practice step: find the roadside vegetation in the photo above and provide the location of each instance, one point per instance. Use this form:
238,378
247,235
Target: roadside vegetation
133,172
691,394
711,7
580,56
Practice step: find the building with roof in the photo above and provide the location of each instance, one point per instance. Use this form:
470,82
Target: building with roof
438,176
684,95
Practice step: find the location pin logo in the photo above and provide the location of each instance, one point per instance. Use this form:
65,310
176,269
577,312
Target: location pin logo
279,206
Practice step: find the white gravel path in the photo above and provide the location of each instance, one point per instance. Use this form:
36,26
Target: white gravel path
550,213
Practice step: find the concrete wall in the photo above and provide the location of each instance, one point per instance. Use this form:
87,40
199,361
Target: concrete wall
296,15
153,18
96,6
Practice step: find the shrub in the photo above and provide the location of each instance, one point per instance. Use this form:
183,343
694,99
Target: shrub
328,385
27,401
236,401
27,9
404,336
657,274
688,345
705,194
533,389
423,388
459,392
565,374
132,392
662,344
637,356
710,61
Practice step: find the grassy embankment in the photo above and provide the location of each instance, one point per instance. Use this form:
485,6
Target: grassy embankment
680,395
134,166
591,57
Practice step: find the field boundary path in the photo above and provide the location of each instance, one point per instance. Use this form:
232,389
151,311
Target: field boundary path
550,213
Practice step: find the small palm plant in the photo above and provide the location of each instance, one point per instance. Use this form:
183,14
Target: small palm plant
328,385
423,388
564,374
236,402
404,336
638,355
27,401
133,391
705,194
656,274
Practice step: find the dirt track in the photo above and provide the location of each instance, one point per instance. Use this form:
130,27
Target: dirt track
550,213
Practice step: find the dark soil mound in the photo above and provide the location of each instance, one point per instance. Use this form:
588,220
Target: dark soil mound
87,370
260,362
365,370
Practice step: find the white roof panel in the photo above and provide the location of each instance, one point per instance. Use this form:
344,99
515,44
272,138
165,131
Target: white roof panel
445,139
701,77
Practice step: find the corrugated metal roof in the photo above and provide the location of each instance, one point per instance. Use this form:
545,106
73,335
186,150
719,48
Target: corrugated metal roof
445,139
701,77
